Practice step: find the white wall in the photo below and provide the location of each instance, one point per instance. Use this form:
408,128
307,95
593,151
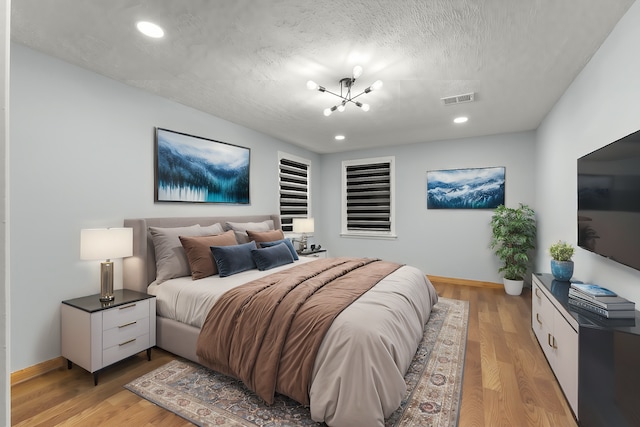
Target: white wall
597,109
442,242
5,335
82,156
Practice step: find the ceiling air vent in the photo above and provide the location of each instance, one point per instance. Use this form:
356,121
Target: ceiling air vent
458,99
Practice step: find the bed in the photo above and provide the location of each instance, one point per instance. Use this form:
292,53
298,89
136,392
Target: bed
358,374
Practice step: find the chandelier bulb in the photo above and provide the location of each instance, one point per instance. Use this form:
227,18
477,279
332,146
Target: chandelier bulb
341,107
377,85
311,85
365,107
327,112
357,71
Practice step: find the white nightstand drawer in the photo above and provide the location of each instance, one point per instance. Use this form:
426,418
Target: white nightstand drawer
122,315
123,333
96,335
125,349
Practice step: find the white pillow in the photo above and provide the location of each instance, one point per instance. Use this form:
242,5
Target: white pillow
240,228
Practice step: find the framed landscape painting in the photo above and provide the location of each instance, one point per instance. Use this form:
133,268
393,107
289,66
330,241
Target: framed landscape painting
199,170
480,188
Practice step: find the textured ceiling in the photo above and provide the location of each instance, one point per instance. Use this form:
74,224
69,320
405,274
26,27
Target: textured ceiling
248,61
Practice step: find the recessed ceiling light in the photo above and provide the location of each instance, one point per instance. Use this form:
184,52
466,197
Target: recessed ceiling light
460,119
339,137
150,29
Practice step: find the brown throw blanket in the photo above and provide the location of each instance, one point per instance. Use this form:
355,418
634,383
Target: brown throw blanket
267,332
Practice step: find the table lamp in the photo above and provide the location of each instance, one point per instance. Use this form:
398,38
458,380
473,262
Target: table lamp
303,226
106,244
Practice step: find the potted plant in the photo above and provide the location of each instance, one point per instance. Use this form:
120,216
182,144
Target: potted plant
561,263
513,236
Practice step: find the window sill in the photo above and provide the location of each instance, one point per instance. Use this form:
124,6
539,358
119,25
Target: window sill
369,236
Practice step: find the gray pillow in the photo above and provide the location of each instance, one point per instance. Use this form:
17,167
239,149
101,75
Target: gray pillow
171,259
240,228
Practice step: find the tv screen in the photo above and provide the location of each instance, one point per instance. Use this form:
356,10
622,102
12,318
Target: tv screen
609,201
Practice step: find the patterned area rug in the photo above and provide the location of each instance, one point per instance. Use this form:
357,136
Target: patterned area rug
434,385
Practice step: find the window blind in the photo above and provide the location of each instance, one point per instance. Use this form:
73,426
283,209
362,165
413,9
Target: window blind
368,196
294,191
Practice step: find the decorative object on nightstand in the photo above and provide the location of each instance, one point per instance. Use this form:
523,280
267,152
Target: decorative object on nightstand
106,244
96,334
561,263
303,226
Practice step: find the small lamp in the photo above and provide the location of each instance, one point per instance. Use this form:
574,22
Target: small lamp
106,243
304,226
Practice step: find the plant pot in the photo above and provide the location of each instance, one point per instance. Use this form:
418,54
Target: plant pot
513,287
562,270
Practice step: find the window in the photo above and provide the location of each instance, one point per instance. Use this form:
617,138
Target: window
294,183
368,207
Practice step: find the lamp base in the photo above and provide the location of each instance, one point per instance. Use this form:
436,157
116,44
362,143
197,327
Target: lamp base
106,281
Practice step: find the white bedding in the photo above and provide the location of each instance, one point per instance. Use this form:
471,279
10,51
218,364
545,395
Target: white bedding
358,377
188,301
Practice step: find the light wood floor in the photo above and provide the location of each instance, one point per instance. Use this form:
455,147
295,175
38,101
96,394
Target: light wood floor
507,381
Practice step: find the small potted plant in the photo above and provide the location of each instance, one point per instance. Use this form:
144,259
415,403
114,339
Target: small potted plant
513,236
561,263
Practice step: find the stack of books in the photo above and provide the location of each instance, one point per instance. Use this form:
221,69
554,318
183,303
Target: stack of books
602,301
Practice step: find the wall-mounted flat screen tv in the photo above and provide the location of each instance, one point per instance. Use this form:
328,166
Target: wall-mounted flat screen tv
609,201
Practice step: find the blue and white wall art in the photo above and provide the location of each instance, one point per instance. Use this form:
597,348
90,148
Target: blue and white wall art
195,169
481,188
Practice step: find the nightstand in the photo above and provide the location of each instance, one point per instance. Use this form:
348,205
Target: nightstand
96,334
322,253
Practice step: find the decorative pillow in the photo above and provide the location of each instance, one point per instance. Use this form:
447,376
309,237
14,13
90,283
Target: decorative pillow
210,230
265,236
198,250
241,228
287,242
171,260
233,259
273,256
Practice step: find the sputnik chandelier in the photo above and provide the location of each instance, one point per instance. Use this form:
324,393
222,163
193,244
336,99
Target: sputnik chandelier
345,92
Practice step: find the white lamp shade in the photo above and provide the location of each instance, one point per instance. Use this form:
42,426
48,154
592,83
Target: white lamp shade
303,225
106,243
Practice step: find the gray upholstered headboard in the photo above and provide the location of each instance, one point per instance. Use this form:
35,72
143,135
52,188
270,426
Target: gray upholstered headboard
140,269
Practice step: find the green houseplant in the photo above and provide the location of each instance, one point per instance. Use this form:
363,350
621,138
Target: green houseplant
513,236
561,263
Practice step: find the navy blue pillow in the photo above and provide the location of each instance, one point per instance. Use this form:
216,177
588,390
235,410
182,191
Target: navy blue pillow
286,242
272,256
233,259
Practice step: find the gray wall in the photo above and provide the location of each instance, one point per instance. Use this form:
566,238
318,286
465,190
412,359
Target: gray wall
5,335
82,156
599,108
451,243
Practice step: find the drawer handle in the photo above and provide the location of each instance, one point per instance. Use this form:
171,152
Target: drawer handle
538,292
551,340
127,306
128,324
127,342
538,318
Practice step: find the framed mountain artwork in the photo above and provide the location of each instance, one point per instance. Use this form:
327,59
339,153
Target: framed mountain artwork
200,170
475,188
